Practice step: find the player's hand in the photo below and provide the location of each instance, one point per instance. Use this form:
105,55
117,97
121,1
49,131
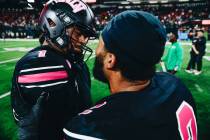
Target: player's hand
197,52
29,120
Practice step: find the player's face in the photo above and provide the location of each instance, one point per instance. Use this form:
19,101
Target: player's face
98,70
172,37
77,39
200,34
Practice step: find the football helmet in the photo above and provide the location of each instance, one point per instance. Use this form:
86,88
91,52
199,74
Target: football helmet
58,15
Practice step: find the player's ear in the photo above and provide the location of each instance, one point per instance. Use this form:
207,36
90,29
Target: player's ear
110,60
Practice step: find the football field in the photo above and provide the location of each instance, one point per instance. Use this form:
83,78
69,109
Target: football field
12,50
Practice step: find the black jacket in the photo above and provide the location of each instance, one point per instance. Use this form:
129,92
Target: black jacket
165,110
67,82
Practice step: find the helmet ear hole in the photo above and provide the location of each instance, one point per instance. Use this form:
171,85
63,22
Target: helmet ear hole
51,23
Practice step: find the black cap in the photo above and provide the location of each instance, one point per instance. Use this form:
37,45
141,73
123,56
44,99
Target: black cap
136,36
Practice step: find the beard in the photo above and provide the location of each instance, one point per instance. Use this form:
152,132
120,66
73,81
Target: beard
98,72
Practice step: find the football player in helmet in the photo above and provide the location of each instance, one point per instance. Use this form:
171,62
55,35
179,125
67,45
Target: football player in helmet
51,83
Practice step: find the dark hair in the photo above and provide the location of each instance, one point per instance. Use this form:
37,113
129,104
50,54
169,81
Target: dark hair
200,30
132,70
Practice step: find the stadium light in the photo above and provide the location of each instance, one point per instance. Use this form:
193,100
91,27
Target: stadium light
153,1
134,1
128,7
183,0
30,5
164,1
30,1
125,2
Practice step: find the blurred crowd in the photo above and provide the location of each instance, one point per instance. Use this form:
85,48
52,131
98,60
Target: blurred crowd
173,20
18,23
177,16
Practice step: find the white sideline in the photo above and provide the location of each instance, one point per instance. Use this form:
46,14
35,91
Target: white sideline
11,60
4,95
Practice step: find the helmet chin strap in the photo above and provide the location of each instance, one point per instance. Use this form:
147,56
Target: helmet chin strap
83,57
86,49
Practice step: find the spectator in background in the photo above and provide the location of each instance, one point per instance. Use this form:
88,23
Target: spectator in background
3,35
174,56
201,47
197,52
191,64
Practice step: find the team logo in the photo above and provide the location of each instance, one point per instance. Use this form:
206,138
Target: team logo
42,53
76,5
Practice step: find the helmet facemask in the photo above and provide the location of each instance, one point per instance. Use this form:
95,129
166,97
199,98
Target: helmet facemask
86,51
57,17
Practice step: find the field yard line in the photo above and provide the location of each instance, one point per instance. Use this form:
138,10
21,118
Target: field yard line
11,60
14,45
5,95
3,51
198,88
10,46
188,43
207,58
18,39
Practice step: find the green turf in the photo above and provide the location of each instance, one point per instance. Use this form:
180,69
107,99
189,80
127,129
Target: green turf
199,86
7,127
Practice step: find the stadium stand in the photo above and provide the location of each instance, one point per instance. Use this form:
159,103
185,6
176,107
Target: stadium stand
177,17
18,23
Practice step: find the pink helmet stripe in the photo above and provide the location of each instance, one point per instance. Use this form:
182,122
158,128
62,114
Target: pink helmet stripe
41,77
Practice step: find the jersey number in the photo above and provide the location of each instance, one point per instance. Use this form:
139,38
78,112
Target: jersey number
186,122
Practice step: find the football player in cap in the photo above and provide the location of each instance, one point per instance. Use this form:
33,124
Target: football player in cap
143,104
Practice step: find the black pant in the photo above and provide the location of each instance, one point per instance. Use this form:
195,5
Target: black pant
191,63
195,60
199,61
